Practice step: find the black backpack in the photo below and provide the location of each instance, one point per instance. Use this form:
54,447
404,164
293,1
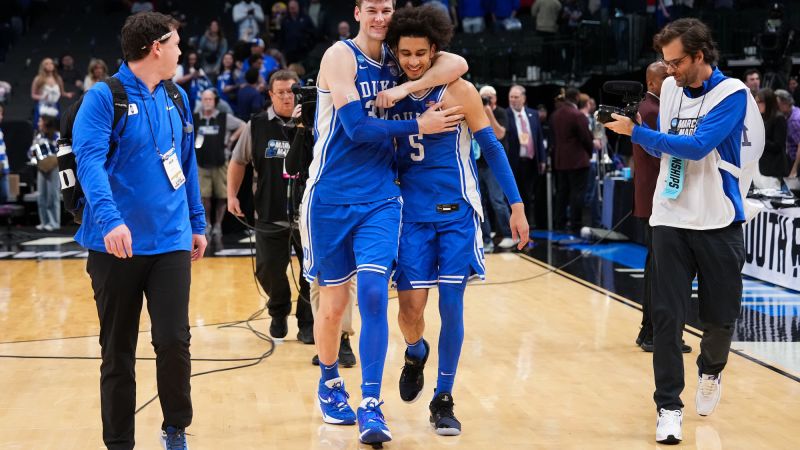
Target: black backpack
74,199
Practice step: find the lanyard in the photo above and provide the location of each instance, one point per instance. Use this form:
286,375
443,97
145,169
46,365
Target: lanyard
150,125
676,168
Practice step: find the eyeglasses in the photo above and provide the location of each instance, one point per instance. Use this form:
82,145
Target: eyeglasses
282,93
161,39
674,63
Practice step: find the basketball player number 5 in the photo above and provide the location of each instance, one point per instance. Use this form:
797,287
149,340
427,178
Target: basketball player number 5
413,141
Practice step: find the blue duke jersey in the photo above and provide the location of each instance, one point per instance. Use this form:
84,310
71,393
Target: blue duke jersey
345,172
438,176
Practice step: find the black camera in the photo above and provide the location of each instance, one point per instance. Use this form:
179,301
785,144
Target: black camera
485,100
306,96
631,92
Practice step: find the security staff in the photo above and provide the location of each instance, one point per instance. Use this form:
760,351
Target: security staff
264,143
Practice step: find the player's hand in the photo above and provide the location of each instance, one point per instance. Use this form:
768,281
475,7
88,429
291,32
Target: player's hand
118,242
386,99
434,121
233,207
199,245
520,231
620,125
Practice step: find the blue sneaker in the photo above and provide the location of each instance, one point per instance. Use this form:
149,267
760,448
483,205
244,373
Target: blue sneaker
174,439
333,403
372,427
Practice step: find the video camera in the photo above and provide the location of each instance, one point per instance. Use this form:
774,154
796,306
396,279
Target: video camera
631,92
306,96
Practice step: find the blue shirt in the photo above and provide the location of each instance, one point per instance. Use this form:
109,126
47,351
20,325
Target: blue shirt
132,187
248,102
721,128
502,9
472,8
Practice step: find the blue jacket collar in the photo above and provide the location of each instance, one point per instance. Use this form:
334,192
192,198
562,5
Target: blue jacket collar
128,78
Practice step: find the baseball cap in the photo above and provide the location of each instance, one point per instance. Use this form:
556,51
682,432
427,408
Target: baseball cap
257,41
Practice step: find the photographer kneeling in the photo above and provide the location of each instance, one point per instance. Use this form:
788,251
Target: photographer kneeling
708,135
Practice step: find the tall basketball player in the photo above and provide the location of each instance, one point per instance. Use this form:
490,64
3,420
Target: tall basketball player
440,243
351,207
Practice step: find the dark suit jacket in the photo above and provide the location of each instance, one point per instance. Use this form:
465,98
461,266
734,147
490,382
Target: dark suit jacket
774,162
645,165
513,137
573,140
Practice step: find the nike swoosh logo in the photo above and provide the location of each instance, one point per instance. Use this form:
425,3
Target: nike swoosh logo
170,108
446,374
323,400
370,384
362,67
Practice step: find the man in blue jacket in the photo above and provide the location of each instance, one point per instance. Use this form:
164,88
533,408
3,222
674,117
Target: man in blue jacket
143,225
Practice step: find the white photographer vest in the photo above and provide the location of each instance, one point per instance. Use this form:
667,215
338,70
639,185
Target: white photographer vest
702,204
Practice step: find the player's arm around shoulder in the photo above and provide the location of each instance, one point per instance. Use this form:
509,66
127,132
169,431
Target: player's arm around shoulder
463,93
446,68
336,74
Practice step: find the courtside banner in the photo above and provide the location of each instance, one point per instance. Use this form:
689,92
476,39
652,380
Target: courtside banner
772,247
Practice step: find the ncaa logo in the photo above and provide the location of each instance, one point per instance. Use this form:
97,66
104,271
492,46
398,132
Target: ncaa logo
674,123
392,68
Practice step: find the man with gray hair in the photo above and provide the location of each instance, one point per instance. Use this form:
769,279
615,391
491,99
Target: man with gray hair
792,114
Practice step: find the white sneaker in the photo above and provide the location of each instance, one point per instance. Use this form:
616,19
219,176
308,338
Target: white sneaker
709,389
668,426
506,243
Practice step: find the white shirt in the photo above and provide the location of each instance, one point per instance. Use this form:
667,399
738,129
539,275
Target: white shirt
519,116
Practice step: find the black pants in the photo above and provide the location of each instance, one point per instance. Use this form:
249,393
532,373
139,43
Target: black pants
716,257
118,286
647,324
272,259
571,192
527,175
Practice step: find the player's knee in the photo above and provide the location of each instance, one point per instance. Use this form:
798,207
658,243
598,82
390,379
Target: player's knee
411,312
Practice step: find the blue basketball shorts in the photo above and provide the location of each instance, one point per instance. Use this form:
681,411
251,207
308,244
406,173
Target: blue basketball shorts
342,240
440,252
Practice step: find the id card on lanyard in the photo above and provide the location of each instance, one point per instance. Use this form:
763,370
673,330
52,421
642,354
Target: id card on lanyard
676,173
173,169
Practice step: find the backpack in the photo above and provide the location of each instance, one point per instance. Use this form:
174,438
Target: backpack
74,198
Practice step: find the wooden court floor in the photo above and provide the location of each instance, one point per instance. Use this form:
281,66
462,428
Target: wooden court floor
547,363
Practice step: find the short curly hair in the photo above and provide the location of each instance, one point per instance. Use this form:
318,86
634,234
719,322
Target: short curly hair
425,21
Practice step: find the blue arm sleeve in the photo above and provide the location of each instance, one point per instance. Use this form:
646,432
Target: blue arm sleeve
715,127
361,128
197,214
90,137
495,156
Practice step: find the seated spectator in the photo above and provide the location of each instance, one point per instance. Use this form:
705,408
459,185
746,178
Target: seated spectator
192,78
43,155
227,80
211,47
794,90
773,162
248,15
98,71
269,63
71,76
249,100
752,79
46,90
471,13
344,31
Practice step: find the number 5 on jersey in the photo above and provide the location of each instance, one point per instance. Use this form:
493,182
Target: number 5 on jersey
414,142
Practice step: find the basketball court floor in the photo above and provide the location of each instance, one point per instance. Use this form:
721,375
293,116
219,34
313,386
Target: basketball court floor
548,361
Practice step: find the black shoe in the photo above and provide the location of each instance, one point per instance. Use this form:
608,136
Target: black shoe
306,334
315,360
412,379
278,328
647,345
346,356
644,335
442,418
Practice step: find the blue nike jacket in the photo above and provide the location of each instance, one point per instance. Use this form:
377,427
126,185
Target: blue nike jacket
132,187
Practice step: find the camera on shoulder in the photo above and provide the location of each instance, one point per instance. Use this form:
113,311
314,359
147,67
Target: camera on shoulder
631,92
306,96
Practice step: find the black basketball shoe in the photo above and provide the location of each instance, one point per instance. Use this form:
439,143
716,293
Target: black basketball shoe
346,356
412,379
442,419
